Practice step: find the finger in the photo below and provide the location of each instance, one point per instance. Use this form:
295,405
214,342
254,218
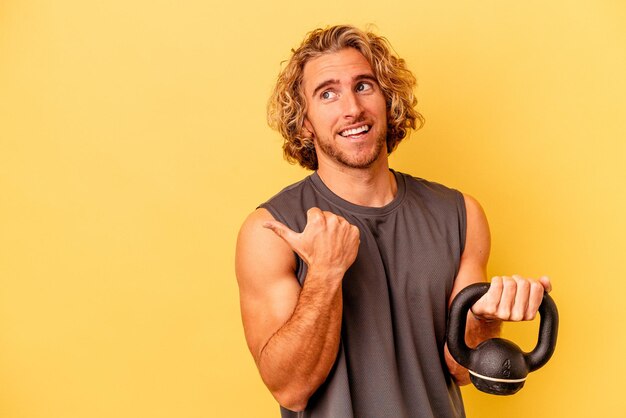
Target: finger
509,288
534,300
336,222
314,215
356,232
522,295
545,282
487,306
332,221
339,222
283,231
495,294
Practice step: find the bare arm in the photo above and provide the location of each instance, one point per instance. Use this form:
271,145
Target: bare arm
473,269
508,299
293,332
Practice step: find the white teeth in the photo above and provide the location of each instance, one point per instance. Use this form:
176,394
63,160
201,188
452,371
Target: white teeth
355,131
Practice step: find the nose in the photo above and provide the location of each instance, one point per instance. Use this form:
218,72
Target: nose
352,106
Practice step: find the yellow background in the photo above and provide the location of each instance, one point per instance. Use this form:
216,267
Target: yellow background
133,143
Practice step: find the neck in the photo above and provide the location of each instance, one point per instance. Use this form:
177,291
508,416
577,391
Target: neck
374,186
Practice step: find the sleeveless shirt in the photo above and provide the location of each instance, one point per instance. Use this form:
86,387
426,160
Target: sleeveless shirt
395,300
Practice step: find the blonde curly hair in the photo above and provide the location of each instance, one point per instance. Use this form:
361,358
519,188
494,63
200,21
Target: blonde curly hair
286,109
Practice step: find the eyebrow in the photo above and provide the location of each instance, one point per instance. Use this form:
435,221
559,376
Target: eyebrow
333,81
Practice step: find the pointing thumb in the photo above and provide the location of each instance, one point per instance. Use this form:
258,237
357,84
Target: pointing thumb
283,231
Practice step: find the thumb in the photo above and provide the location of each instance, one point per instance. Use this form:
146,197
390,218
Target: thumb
545,282
283,231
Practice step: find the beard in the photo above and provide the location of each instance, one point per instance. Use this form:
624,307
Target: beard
360,159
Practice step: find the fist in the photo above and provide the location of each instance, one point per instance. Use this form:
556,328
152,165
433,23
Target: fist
328,242
512,298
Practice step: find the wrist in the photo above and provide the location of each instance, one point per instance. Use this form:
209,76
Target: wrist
327,275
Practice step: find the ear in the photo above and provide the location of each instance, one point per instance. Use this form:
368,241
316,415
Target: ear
307,129
308,126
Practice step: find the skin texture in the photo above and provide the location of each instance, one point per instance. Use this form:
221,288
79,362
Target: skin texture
293,332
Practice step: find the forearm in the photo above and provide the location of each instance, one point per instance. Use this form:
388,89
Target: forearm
476,331
298,357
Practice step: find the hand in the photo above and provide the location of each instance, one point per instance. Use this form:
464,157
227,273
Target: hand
512,298
328,243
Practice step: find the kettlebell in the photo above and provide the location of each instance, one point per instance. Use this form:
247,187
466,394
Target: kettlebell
498,366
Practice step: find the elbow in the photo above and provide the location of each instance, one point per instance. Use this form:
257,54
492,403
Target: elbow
459,374
461,377
291,388
288,392
292,398
291,393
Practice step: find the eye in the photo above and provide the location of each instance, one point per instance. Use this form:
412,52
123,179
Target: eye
364,86
328,94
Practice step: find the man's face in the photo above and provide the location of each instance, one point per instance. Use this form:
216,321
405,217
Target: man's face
346,110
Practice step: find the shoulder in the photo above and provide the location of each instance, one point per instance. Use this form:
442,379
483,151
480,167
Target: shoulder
252,231
258,245
476,217
253,224
253,227
290,191
430,188
290,205
438,198
260,248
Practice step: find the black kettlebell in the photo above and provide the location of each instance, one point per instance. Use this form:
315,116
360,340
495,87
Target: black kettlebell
499,366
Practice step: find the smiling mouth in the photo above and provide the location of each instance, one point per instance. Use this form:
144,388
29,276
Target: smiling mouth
355,131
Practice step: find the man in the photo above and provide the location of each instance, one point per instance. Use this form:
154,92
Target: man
345,277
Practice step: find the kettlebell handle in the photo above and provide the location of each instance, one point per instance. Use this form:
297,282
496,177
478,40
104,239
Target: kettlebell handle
457,322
